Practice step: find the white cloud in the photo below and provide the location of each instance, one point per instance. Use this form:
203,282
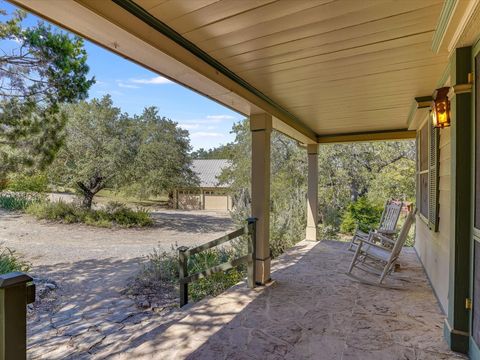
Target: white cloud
15,40
206,134
128,86
135,83
152,81
220,117
189,126
209,121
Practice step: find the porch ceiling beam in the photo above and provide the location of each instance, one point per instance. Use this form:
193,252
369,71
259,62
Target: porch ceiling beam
398,134
418,111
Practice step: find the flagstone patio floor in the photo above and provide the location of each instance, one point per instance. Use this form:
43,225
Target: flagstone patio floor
311,310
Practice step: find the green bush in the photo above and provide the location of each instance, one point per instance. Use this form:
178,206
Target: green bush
112,215
327,232
3,183
34,183
9,261
217,283
361,213
127,217
17,201
162,267
56,211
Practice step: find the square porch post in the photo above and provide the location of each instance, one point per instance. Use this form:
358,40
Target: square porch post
457,326
312,194
261,128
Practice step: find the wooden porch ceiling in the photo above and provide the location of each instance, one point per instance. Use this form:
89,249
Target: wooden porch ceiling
338,66
323,67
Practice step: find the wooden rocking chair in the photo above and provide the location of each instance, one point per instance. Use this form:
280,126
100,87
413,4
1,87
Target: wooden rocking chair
373,257
388,224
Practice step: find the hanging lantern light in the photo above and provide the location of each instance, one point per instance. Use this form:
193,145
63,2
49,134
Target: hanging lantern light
441,108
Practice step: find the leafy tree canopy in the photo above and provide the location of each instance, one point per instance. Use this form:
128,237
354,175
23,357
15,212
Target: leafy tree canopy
163,162
145,154
347,172
39,69
220,152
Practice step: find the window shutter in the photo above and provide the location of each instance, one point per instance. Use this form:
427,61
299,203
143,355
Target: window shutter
433,206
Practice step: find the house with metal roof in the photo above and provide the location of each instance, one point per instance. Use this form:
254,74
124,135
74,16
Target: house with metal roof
211,194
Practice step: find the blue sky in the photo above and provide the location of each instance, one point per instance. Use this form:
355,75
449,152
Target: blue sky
133,88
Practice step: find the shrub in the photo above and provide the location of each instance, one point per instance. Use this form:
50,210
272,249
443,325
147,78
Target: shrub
162,267
9,261
3,183
112,215
127,217
34,183
56,211
327,232
217,283
17,201
361,213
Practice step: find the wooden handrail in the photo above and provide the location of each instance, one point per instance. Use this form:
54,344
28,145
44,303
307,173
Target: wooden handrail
184,252
216,242
218,268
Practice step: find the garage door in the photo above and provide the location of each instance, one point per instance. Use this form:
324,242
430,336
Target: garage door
216,202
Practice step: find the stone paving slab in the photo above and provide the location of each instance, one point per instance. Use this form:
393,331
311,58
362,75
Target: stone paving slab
312,310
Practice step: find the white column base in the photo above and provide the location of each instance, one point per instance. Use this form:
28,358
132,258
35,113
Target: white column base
262,271
311,233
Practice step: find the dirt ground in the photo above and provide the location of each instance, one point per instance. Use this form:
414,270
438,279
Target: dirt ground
91,267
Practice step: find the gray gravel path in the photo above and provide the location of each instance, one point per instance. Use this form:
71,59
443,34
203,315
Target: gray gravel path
45,243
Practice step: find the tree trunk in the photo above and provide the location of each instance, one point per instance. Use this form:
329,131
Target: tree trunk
353,192
171,199
87,199
89,189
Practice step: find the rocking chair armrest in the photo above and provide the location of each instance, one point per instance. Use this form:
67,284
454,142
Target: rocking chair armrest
368,242
361,233
388,232
383,238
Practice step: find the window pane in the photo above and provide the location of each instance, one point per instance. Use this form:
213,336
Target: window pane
424,194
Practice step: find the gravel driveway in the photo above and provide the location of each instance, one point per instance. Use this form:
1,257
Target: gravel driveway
46,243
92,266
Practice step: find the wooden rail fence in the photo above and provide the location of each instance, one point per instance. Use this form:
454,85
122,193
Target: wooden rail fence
184,253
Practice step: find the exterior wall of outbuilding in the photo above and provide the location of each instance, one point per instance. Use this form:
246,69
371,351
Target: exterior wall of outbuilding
204,199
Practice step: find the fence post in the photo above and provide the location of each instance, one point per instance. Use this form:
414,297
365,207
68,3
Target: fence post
14,297
183,272
252,249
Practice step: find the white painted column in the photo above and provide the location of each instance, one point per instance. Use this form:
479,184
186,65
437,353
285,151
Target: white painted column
261,127
312,195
